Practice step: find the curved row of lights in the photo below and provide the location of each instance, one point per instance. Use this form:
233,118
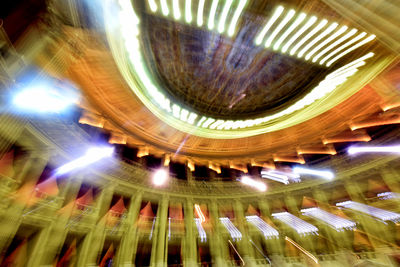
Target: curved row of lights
129,23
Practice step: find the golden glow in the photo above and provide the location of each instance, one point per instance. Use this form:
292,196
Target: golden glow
143,151
298,159
190,165
275,16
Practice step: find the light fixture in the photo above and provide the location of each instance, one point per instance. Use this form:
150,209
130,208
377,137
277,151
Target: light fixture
280,176
176,9
288,17
233,231
317,38
336,222
200,229
160,177
308,36
294,25
374,149
152,5
43,99
253,183
188,11
211,17
267,230
309,23
380,214
200,11
275,16
92,155
320,173
235,18
164,7
300,226
388,195
224,14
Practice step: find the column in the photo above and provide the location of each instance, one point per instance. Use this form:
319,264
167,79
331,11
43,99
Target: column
217,246
354,190
245,247
94,241
127,247
158,251
274,245
190,251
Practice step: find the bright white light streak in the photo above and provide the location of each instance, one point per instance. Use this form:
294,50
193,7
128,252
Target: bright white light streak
176,110
200,229
199,213
177,10
235,18
294,25
336,222
215,124
380,214
160,177
253,183
164,7
152,228
188,11
354,64
374,149
200,122
169,228
308,24
233,231
363,42
237,253
337,50
308,36
288,17
184,115
267,230
326,41
317,38
92,155
152,5
323,174
224,14
192,118
208,122
200,12
388,195
334,44
278,176
311,256
300,226
211,17
275,16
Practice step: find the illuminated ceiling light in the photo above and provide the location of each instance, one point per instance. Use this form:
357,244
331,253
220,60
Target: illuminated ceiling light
253,183
164,7
233,231
275,16
317,38
373,149
177,10
92,155
334,44
184,115
308,36
224,14
208,122
309,23
267,230
215,124
188,11
192,118
200,122
300,226
366,40
200,229
326,41
323,174
338,223
200,11
43,99
380,214
288,17
282,177
235,18
160,177
337,50
152,5
388,195
355,63
176,110
199,213
211,17
294,25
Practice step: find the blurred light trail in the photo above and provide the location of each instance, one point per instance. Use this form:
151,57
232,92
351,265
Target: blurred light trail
160,177
381,214
92,155
279,176
311,256
300,226
240,257
200,229
266,229
323,174
374,149
233,231
199,213
338,223
253,183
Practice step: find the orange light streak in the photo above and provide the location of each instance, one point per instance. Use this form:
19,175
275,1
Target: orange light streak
311,256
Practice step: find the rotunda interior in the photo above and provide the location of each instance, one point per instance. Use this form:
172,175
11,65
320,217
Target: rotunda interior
199,133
